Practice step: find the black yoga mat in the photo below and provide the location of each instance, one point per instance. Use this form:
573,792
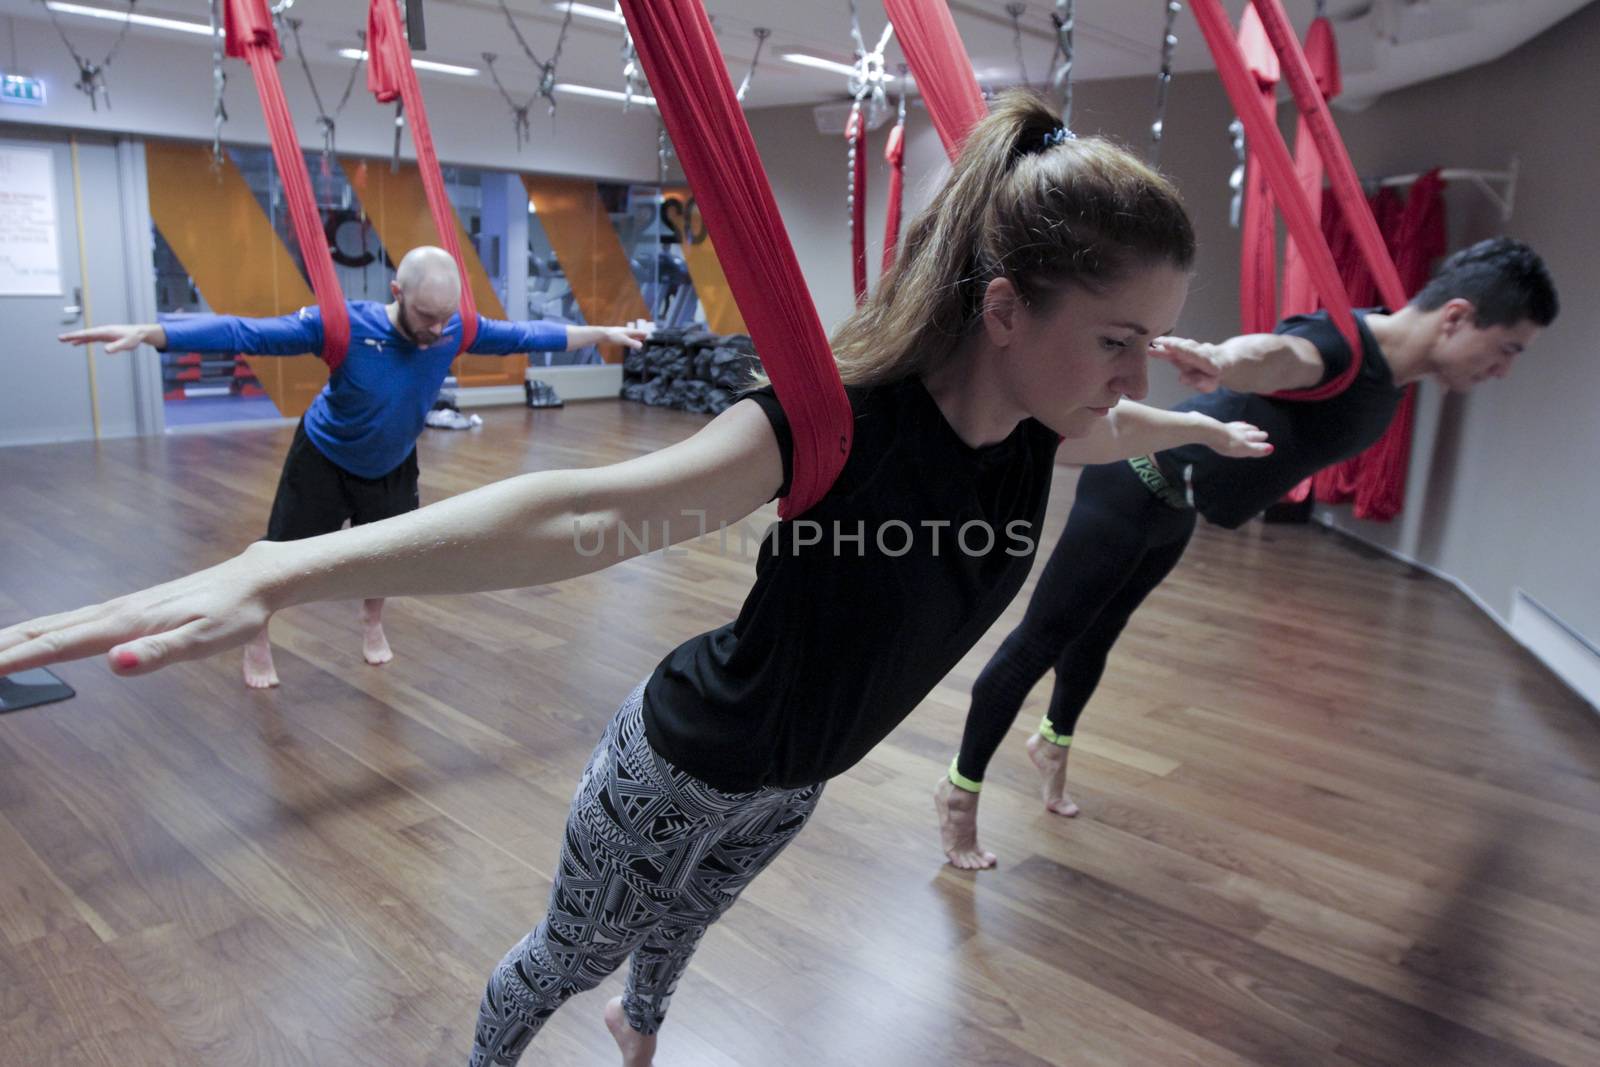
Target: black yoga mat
25,689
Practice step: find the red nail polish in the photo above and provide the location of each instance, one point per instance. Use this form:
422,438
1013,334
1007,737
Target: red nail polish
126,661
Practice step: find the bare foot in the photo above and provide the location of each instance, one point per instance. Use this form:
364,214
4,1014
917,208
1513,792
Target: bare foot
958,827
638,1050
259,672
374,645
1051,762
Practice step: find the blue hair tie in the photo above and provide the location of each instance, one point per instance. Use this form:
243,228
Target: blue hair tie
1059,135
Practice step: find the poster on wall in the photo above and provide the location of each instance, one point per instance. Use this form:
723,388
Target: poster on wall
30,261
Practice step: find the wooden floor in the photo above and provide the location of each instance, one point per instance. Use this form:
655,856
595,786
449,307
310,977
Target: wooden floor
1331,815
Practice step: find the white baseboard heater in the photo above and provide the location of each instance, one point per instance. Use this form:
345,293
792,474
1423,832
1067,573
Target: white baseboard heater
1558,644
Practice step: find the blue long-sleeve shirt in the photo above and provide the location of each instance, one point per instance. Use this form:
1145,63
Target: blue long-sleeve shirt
369,415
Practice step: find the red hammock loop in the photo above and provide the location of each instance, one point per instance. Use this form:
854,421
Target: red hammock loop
249,36
391,76
702,114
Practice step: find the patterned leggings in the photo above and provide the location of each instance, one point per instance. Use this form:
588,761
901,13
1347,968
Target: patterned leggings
652,857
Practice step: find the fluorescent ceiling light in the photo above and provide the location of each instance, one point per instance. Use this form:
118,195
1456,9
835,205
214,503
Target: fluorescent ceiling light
420,64
589,11
806,59
603,94
153,21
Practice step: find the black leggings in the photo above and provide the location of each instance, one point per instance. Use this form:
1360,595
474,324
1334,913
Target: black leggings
1120,542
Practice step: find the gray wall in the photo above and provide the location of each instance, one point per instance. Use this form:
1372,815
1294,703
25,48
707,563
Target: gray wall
1508,496
1502,494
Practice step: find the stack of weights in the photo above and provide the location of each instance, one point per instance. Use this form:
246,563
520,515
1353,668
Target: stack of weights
690,369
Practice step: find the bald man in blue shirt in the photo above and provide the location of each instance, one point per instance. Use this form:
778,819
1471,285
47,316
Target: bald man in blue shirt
354,453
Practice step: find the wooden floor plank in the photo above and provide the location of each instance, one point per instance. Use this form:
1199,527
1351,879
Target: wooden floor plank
1331,814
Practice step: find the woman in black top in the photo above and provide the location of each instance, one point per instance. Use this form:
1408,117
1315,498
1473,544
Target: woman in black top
1021,311
1130,522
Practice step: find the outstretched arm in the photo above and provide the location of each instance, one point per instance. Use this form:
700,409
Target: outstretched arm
1133,429
529,530
497,337
1249,363
119,338
627,336
283,335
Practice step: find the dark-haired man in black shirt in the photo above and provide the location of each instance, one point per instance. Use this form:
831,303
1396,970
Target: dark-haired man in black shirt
1131,522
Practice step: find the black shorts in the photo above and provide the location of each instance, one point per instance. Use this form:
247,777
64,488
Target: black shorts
316,495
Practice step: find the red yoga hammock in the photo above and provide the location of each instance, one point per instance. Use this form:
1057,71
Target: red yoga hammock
1342,180
1375,480
1268,149
1258,268
249,36
703,117
944,73
1322,52
390,76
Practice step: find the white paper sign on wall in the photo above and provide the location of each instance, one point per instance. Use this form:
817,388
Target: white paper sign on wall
30,257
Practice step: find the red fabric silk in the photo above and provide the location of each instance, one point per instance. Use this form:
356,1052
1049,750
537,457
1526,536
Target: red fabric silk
1322,52
1261,129
894,154
1423,239
707,126
1339,482
1258,235
1342,180
938,60
246,25
250,37
390,76
856,135
1423,234
1376,479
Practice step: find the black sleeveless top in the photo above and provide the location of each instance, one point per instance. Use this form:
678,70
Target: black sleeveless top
862,605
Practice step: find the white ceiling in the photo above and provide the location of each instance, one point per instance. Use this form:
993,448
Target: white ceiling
1115,38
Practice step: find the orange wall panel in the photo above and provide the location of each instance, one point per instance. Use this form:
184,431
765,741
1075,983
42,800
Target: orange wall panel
219,233
710,284
589,251
398,207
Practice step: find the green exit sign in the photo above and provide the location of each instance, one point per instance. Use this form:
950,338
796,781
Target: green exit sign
15,89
